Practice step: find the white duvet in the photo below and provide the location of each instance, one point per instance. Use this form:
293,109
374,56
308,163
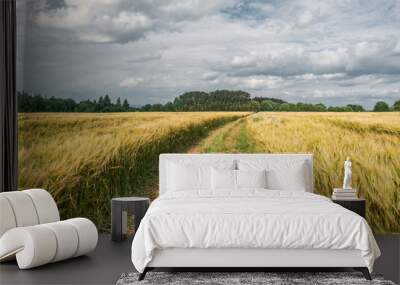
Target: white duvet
250,219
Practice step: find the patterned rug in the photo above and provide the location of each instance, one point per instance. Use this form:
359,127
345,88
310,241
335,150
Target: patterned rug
269,278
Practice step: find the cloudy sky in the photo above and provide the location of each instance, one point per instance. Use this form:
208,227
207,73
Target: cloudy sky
149,51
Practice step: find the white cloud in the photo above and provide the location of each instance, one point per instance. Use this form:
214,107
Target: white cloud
269,82
131,82
367,57
212,75
123,21
377,56
313,77
304,18
97,21
190,10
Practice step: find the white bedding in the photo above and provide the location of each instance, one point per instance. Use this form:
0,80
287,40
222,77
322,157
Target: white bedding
250,219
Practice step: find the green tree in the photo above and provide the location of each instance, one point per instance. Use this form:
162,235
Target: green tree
147,108
107,105
285,107
320,107
100,105
275,100
396,105
157,107
255,106
86,106
381,106
267,105
305,107
125,106
118,104
169,107
356,108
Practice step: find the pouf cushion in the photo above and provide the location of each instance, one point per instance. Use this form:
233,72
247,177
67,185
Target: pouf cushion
40,244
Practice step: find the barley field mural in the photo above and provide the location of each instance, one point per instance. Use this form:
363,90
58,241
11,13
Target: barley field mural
104,87
85,159
372,140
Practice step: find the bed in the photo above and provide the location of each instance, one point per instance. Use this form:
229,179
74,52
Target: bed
246,211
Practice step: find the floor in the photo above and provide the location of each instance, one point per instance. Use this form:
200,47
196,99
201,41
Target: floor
110,260
104,266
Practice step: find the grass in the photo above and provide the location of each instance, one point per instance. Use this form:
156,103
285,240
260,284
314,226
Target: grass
244,142
218,140
86,159
230,138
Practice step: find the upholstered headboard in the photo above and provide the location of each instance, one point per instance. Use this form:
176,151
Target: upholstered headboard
210,159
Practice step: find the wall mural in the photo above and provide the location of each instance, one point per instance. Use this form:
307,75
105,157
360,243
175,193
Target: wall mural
105,86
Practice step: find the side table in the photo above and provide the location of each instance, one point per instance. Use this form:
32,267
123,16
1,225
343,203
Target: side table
126,213
357,205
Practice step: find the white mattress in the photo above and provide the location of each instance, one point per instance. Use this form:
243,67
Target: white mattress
253,219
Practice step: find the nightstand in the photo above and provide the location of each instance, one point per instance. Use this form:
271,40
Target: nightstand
357,205
126,214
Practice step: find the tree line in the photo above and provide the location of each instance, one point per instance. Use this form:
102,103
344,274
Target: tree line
38,103
219,100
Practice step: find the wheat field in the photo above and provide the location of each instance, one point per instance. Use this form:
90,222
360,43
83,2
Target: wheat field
86,159
372,140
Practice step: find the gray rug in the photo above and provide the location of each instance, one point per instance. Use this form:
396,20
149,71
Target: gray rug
269,278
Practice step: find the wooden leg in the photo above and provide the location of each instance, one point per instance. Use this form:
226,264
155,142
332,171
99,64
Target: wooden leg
364,271
143,274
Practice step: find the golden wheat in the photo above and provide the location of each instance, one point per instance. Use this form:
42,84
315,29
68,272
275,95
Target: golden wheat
85,159
371,140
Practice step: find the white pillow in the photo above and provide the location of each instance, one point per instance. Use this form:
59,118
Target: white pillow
223,179
192,174
281,174
251,178
185,178
293,179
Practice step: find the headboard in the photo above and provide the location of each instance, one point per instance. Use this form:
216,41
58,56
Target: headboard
214,157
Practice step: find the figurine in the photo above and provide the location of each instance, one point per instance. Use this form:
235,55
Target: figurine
347,174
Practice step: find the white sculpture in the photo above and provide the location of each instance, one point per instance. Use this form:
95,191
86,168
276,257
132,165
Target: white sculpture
347,174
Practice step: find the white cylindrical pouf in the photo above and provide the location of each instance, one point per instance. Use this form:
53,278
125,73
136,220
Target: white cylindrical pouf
7,218
87,234
45,205
34,246
22,205
67,240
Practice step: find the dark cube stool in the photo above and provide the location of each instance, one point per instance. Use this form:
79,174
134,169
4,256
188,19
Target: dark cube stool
357,205
125,212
